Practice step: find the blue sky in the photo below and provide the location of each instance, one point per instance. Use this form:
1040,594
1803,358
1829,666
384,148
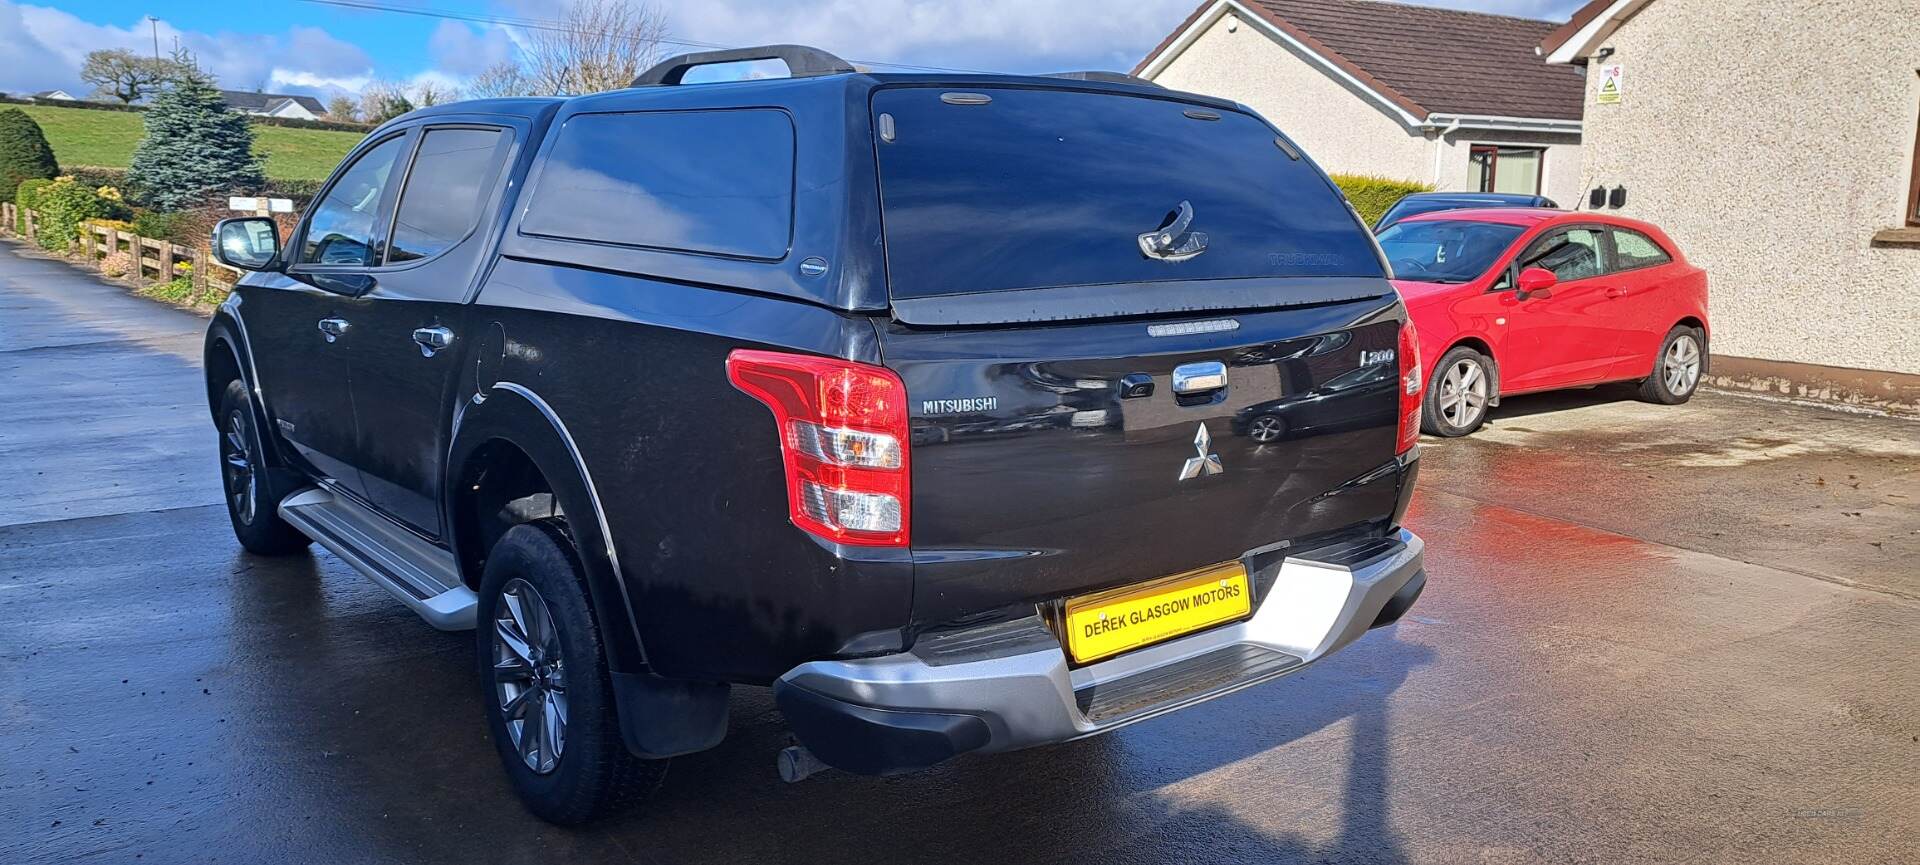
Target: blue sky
305,47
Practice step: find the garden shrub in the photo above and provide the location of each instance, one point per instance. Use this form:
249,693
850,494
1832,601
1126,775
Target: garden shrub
159,224
25,196
24,152
60,207
1373,195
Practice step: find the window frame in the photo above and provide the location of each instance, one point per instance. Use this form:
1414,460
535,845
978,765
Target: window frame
1613,250
382,217
420,133
1913,181
1603,248
1487,181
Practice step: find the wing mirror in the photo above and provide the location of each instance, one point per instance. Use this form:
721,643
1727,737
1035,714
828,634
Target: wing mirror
248,242
1536,282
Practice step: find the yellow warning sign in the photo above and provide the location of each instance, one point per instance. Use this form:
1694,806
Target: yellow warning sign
1610,83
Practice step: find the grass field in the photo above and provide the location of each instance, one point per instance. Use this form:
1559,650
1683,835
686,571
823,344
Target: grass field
82,136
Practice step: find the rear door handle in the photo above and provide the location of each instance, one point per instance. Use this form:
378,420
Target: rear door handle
1616,292
333,328
1192,378
432,339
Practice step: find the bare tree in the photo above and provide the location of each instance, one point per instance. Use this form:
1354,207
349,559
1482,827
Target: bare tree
598,45
427,93
382,101
341,108
124,75
505,78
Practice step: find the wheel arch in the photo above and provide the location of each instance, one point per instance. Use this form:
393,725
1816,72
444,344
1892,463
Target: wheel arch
1706,353
226,356
513,444
1479,344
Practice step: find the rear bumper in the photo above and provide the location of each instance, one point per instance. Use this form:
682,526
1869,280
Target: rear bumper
1009,685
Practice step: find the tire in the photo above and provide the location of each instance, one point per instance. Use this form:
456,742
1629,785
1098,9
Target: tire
1677,368
1459,395
253,486
538,648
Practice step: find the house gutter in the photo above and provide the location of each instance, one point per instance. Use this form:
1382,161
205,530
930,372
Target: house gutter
1446,123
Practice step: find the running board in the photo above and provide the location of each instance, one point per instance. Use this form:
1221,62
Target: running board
423,576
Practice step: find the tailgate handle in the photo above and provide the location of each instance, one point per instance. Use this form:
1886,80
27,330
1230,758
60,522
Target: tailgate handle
1191,378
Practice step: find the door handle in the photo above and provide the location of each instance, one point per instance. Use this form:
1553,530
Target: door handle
1616,292
333,328
432,339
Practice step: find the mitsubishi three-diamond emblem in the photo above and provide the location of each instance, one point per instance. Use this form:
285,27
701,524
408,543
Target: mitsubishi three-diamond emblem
1204,462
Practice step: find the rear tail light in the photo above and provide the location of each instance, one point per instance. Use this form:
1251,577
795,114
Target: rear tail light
843,438
1409,432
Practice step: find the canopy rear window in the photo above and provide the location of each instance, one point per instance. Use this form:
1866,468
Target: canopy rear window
999,188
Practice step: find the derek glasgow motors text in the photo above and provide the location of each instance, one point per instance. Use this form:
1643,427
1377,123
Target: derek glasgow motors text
1172,607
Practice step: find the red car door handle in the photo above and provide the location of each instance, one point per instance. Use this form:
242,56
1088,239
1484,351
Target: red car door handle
1616,292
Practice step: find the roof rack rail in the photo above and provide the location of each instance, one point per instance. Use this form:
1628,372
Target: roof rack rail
1104,77
802,61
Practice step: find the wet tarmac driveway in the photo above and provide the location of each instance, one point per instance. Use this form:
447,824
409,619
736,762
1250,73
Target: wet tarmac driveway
1651,634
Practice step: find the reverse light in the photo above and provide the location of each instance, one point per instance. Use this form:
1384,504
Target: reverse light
843,439
1410,387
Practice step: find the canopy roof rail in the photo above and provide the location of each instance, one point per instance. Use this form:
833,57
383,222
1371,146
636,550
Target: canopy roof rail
802,62
1103,77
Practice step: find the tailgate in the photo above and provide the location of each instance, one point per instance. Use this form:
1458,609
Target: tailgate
1051,461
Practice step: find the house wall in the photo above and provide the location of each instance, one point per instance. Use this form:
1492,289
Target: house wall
1773,139
1343,129
1237,60
294,110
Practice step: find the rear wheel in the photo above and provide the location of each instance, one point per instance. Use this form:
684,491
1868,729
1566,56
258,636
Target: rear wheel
252,485
1457,398
545,683
1676,372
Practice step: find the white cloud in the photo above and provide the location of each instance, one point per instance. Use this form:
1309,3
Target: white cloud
457,49
240,61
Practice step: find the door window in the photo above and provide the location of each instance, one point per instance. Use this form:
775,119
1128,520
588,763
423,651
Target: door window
1631,250
1505,169
341,229
453,170
1571,254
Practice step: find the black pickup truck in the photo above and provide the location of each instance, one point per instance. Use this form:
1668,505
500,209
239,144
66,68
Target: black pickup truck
909,396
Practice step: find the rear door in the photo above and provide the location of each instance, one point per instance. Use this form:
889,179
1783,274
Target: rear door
1139,336
413,324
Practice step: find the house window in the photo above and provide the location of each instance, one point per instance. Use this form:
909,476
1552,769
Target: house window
1494,168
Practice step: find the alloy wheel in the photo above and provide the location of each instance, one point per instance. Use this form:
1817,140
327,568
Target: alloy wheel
1265,429
529,676
242,483
1463,393
1681,366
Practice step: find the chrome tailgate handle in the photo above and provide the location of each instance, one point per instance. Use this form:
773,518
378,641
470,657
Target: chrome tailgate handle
1190,378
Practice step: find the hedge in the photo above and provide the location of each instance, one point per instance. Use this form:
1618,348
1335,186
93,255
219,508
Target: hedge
24,152
1373,195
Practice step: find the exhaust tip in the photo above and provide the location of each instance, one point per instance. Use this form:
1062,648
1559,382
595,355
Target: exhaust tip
796,763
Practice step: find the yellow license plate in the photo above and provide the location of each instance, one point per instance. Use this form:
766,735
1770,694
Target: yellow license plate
1112,622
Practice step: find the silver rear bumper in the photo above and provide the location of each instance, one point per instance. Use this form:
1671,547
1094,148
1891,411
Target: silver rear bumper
1016,679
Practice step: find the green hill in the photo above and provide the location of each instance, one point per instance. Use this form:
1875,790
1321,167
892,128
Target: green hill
83,136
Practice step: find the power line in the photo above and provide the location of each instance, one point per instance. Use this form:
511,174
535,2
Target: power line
560,27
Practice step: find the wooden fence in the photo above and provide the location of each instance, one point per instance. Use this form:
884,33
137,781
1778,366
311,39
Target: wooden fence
149,260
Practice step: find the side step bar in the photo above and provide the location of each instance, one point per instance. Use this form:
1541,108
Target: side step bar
424,577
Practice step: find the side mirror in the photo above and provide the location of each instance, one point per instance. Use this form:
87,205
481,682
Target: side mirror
248,242
1536,281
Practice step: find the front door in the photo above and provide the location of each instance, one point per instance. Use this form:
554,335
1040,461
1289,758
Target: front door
301,322
1562,337
413,323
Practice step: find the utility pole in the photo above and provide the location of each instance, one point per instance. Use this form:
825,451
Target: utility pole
155,23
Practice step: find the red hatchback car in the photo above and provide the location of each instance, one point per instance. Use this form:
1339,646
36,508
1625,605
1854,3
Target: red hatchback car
1515,300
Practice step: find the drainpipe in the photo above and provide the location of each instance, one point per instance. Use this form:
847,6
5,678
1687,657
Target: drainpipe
1439,145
